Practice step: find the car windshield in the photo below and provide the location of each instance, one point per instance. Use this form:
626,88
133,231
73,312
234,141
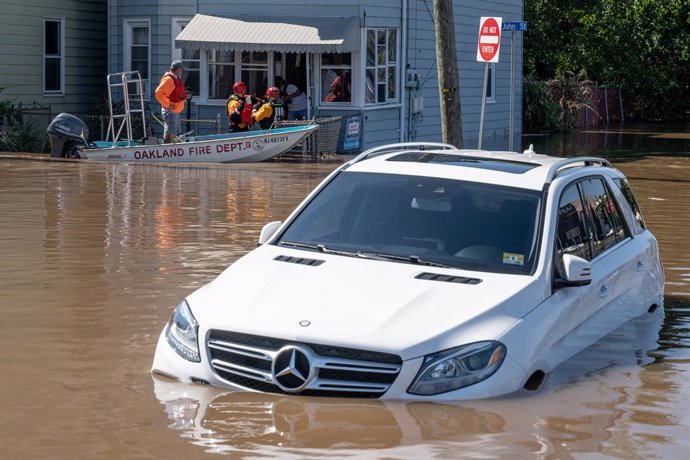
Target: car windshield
421,220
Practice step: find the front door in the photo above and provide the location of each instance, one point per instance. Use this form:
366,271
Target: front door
295,69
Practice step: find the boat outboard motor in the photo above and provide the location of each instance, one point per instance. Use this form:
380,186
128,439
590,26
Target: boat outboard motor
67,133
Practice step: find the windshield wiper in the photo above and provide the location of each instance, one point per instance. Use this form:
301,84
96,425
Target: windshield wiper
366,255
298,244
319,247
410,259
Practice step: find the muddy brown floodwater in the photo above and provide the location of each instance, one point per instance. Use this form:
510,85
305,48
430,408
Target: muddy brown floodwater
93,257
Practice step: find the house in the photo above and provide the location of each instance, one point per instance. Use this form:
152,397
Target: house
54,53
382,53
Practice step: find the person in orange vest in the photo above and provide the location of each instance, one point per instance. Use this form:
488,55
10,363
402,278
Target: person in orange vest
171,95
240,106
271,110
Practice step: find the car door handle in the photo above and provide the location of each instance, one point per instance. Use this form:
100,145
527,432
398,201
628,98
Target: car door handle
640,266
603,291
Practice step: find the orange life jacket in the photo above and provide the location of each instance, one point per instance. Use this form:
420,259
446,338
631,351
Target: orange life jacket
243,113
179,93
246,115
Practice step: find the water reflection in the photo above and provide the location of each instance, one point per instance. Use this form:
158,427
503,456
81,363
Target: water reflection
94,257
584,407
617,141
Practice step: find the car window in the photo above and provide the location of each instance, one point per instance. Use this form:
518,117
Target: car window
607,228
449,222
572,232
630,198
329,215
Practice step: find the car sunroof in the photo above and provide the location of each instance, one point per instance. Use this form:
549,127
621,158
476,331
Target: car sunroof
514,167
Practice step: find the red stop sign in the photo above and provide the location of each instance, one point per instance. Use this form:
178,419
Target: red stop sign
489,39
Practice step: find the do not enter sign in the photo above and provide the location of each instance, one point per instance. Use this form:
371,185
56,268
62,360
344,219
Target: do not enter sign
489,39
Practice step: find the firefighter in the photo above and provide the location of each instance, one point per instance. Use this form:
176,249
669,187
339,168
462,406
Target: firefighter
240,106
272,110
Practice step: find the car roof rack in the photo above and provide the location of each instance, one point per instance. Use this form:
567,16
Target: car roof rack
568,163
388,148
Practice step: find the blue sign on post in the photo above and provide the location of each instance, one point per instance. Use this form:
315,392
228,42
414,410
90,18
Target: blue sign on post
352,132
512,26
519,26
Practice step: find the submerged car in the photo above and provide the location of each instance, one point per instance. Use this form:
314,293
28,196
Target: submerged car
420,271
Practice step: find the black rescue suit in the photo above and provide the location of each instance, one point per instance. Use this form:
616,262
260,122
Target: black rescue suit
239,109
273,110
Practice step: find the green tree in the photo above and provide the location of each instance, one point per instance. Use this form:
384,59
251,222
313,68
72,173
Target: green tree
640,45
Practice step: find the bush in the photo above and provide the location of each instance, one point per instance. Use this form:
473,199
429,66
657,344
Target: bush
572,93
19,135
539,111
16,134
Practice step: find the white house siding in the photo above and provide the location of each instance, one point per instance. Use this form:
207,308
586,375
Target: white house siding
21,35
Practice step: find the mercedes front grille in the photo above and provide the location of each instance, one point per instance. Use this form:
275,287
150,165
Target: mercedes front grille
282,366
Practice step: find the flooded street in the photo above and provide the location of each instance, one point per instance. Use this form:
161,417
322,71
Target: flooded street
95,256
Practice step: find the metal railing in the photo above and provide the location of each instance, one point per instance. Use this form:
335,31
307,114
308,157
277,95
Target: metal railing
123,121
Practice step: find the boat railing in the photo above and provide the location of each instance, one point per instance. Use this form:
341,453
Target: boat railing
120,123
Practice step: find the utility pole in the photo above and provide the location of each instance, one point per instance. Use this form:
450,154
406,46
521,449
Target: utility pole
447,65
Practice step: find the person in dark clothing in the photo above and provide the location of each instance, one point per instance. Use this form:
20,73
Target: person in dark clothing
272,110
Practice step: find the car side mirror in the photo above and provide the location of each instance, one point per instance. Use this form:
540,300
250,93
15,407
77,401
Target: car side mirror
576,272
268,231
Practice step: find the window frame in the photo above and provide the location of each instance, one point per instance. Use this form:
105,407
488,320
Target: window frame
61,56
382,69
595,239
559,246
190,65
128,27
254,67
588,220
623,185
490,94
237,70
339,70
207,62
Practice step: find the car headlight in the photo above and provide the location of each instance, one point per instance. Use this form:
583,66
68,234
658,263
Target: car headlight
181,333
458,367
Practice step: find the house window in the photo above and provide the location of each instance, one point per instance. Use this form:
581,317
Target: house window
381,85
336,78
255,71
138,52
191,59
491,83
53,55
221,73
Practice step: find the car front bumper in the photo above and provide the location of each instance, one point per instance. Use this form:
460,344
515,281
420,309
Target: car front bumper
508,378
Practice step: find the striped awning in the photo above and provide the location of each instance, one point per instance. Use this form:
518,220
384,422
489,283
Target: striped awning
287,34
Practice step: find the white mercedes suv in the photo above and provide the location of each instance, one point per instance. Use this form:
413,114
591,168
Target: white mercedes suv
420,271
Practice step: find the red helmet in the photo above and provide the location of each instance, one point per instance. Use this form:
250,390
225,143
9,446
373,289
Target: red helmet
272,92
240,84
